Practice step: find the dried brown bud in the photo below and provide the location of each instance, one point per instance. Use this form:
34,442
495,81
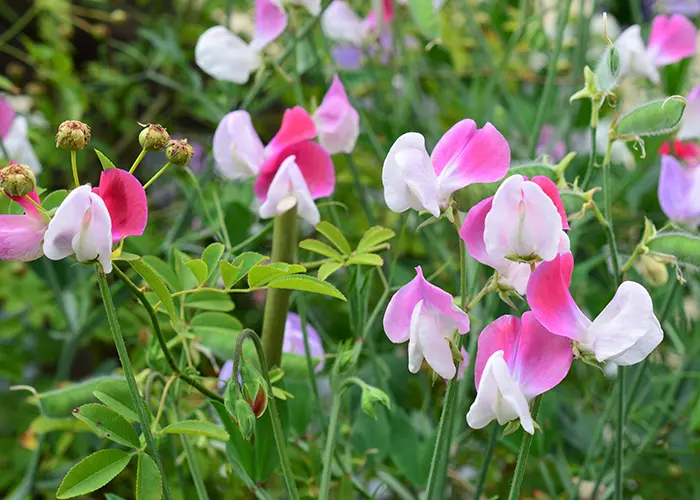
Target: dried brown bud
154,137
179,152
73,135
17,180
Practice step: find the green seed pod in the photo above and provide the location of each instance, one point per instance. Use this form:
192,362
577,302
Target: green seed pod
154,137
657,117
73,135
17,180
179,152
245,418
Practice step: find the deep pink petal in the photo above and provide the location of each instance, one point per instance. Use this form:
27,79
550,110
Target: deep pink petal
387,14
543,359
270,22
472,231
397,318
27,205
501,335
452,144
20,237
126,202
442,301
671,39
297,125
7,116
314,162
551,302
551,190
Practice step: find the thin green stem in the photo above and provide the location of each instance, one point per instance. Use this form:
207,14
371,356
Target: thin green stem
591,161
549,82
639,250
619,431
137,161
19,25
360,188
607,212
222,220
113,321
158,174
280,440
523,454
74,166
284,244
330,446
488,455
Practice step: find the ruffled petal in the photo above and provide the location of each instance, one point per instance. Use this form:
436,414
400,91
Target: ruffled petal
125,199
94,240
634,58
408,176
551,302
627,330
472,230
397,318
338,123
297,126
238,151
502,335
438,299
287,190
432,331
679,191
20,238
224,56
270,23
340,23
671,39
551,190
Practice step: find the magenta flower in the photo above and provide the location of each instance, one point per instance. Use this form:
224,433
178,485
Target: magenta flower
522,223
427,317
463,156
624,333
679,191
515,361
90,220
21,235
338,123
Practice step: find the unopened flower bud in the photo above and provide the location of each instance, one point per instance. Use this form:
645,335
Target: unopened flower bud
118,16
654,272
73,135
245,418
17,180
154,137
179,152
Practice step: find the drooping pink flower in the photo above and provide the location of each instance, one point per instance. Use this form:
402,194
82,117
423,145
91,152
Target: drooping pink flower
464,155
524,220
516,361
625,332
337,122
679,191
426,317
21,235
126,202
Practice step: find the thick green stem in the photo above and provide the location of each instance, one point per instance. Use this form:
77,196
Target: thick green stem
284,246
129,376
495,431
619,431
523,454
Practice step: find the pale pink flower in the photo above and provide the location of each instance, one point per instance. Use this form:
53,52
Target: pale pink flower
21,235
690,123
337,122
679,191
14,131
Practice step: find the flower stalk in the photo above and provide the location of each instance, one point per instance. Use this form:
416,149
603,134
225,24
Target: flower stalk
523,455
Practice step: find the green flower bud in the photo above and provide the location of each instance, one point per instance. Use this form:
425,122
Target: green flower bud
17,180
154,137
371,396
179,152
245,418
72,135
654,272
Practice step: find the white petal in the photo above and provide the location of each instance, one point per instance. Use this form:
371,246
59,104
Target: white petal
515,275
408,176
238,151
690,124
224,56
94,241
289,189
18,145
415,350
340,23
429,331
499,397
627,330
634,59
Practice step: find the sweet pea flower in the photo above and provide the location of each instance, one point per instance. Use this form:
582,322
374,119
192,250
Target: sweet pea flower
679,191
340,23
287,190
690,122
672,39
427,317
337,122
89,220
516,360
464,155
524,221
21,235
689,8
688,152
625,332
294,340
14,130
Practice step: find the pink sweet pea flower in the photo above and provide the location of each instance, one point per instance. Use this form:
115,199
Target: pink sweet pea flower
21,235
14,130
688,152
625,332
549,145
427,317
238,151
494,235
515,361
287,190
338,123
463,156
679,191
90,220
341,24
270,23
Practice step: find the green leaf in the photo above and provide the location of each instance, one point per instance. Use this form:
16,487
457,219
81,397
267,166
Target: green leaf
321,248
306,284
198,428
7,85
53,200
233,272
653,118
229,273
93,472
369,259
217,331
327,269
163,270
104,161
157,285
209,300
61,402
108,423
44,425
115,394
199,270
373,237
126,257
334,236
149,484
683,246
259,275
211,256
426,18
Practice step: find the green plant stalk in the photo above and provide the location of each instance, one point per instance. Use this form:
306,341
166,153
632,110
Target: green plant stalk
607,212
113,322
330,446
162,342
360,188
280,441
549,82
591,161
495,431
137,161
74,166
284,246
157,174
520,465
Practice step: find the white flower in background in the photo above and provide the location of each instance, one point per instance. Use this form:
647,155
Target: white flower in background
14,131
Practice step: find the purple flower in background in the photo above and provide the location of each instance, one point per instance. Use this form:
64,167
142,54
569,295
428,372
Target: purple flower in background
679,191
294,340
690,8
549,145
